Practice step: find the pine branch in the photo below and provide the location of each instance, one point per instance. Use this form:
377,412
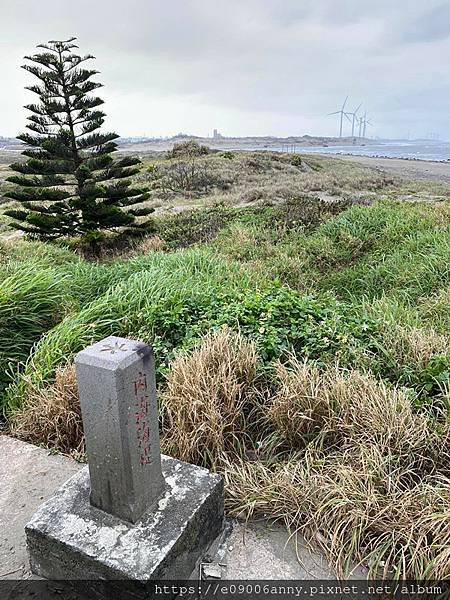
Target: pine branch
86,116
141,212
86,102
97,140
38,194
77,60
36,181
47,59
41,74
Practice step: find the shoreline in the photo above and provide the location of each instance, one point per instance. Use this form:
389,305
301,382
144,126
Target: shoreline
422,170
407,168
380,157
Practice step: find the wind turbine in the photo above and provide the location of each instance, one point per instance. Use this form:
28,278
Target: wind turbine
366,122
361,122
342,113
354,118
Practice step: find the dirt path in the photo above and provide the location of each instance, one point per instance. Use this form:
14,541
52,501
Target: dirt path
410,169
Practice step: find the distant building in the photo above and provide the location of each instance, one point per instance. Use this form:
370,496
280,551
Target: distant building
216,135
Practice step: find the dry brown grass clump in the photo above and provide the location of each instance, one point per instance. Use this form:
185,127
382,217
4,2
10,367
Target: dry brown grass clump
52,416
357,505
367,479
333,405
210,398
150,244
370,506
417,346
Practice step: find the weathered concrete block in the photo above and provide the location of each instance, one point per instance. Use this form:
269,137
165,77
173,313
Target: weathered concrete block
69,539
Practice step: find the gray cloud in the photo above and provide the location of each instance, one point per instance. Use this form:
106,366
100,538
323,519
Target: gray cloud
245,67
431,26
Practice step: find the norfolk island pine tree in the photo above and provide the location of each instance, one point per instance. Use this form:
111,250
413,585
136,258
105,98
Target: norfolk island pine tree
70,185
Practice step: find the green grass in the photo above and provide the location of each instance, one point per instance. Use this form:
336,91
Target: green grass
313,290
389,247
358,292
171,300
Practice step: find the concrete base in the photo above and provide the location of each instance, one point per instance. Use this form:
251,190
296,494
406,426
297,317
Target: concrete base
69,539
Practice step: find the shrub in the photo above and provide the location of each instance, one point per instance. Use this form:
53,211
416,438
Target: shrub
188,148
185,176
296,160
281,320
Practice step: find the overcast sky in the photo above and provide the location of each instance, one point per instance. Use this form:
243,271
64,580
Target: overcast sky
245,67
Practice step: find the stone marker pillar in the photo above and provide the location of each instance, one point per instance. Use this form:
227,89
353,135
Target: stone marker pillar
132,514
117,390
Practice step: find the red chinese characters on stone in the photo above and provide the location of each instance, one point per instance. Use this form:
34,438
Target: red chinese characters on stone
141,418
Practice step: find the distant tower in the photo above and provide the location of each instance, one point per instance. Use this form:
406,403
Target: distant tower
216,135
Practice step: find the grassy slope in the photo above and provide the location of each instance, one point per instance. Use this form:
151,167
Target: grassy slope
367,286
387,252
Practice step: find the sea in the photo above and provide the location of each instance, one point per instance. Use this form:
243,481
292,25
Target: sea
413,150
433,150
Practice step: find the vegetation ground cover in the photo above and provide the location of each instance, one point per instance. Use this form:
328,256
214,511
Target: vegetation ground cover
299,314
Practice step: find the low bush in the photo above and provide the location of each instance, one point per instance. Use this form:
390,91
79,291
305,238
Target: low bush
185,177
281,320
188,148
296,160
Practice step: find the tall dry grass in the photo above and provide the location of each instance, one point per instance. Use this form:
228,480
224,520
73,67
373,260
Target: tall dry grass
52,416
337,455
334,405
354,468
210,399
360,504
